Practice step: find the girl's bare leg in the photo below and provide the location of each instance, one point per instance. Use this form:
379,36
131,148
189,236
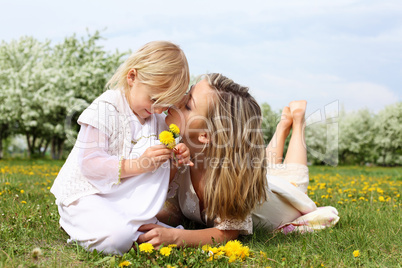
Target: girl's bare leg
297,152
277,143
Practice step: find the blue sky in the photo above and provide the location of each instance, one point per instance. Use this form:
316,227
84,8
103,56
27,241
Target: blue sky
321,51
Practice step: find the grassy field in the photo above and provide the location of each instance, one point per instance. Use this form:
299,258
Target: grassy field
368,233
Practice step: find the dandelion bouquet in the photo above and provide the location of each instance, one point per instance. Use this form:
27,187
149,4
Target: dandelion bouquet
168,137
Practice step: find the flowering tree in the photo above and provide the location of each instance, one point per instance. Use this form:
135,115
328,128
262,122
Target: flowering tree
356,137
24,75
388,135
81,70
44,87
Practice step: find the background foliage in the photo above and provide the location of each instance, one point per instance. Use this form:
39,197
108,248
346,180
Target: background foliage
44,88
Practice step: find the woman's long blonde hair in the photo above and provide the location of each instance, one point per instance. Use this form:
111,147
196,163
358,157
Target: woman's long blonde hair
235,179
159,64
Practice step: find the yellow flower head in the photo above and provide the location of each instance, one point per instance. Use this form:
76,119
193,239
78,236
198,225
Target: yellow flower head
165,251
146,247
233,248
356,253
174,129
166,137
172,246
205,248
124,264
232,258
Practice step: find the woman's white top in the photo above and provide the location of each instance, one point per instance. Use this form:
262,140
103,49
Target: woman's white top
288,207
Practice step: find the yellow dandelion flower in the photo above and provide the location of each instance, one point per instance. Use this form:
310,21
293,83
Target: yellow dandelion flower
124,264
23,202
166,137
146,247
232,258
22,191
205,248
232,247
356,253
381,199
172,246
244,252
165,251
213,250
174,129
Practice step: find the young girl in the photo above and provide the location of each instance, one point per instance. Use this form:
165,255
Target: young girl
116,177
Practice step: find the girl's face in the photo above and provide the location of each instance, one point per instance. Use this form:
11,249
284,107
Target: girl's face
140,100
191,116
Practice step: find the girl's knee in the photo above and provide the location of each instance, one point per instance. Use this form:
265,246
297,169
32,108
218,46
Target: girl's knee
118,241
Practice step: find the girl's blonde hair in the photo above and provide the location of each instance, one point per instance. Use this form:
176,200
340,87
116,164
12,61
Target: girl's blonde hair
161,65
235,179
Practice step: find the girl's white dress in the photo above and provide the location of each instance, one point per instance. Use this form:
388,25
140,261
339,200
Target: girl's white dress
98,209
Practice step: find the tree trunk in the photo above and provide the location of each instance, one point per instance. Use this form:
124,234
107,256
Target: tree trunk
29,145
57,148
1,148
53,148
46,146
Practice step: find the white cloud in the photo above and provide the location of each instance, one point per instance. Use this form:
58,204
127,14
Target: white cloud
282,50
321,89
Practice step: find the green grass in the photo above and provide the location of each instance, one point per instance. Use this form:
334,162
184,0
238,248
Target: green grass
367,198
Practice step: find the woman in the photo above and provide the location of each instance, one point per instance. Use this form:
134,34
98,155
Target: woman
227,188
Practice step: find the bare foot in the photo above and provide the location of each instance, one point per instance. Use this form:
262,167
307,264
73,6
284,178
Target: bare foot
297,110
286,121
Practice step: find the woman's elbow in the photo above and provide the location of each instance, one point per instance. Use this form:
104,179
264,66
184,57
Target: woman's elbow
230,234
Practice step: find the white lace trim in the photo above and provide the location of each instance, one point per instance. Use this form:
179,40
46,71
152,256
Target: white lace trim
244,226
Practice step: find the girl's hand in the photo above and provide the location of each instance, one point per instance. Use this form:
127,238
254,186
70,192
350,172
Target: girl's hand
154,157
183,154
157,235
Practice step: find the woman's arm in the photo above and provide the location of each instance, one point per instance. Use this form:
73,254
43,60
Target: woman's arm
170,214
157,235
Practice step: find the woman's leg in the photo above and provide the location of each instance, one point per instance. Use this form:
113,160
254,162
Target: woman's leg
297,152
277,143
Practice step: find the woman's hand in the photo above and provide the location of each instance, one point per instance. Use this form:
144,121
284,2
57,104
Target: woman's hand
157,235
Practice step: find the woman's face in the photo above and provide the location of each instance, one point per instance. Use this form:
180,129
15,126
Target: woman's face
191,116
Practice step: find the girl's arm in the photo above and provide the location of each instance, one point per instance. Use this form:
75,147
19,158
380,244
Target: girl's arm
153,157
103,169
149,161
157,235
